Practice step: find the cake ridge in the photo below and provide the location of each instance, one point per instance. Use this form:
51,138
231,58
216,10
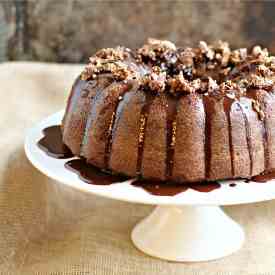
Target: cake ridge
248,137
108,150
98,90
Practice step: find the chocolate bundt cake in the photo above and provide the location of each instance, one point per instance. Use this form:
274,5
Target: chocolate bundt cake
175,114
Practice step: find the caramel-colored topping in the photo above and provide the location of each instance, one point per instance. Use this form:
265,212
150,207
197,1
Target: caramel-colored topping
109,61
179,84
156,80
258,109
156,49
118,53
159,66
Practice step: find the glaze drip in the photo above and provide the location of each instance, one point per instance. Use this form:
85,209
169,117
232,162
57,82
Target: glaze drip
142,129
171,135
227,108
92,175
207,137
52,143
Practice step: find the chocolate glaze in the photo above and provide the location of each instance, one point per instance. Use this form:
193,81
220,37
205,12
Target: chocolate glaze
108,145
204,187
171,119
52,143
265,142
207,141
159,188
144,114
91,174
227,103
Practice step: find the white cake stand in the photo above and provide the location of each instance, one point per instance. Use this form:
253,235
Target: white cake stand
189,226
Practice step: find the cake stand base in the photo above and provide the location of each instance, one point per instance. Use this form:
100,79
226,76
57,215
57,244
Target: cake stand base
188,233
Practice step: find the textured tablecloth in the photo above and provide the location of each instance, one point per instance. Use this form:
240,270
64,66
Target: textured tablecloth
46,228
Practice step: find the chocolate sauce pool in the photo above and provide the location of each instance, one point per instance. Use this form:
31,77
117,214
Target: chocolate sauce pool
91,174
264,177
159,188
52,143
53,146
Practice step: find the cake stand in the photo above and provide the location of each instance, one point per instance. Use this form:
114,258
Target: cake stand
190,226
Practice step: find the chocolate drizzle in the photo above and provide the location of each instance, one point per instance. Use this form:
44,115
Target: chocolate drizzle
108,145
95,176
142,130
264,177
171,135
265,143
92,175
207,136
227,103
52,143
160,188
171,189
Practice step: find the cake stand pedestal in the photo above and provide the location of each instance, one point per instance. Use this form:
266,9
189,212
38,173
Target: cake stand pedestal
188,233
189,226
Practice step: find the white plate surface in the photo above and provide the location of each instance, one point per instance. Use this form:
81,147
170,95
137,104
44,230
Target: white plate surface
54,168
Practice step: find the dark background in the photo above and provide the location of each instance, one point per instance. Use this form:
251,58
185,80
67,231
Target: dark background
70,31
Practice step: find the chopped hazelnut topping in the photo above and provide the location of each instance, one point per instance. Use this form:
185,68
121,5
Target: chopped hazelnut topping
256,50
156,80
118,53
209,69
180,84
212,84
206,50
156,49
257,107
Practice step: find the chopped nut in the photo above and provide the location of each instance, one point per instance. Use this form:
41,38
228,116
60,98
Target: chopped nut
180,84
212,84
159,67
256,50
257,107
156,80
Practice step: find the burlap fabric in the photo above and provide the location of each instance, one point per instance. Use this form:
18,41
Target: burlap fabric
46,228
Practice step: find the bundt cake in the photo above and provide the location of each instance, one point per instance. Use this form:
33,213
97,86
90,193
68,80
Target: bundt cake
175,114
